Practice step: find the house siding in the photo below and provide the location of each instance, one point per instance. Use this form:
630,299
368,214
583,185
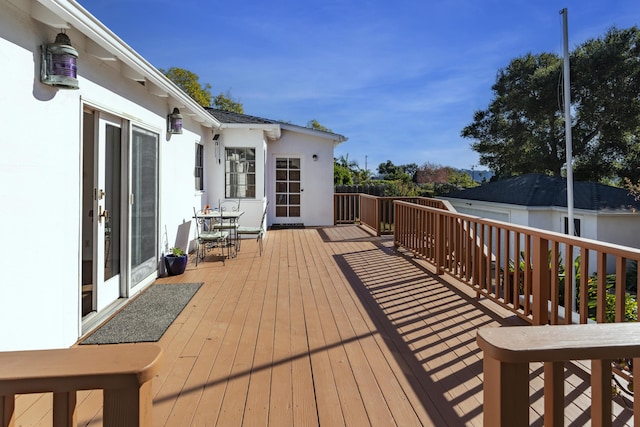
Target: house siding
41,167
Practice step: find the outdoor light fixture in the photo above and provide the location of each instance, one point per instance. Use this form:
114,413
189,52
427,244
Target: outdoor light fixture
315,157
216,137
59,63
174,122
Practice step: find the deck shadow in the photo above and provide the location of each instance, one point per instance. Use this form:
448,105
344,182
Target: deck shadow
435,336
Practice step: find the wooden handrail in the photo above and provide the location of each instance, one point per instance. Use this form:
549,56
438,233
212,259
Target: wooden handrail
508,352
123,371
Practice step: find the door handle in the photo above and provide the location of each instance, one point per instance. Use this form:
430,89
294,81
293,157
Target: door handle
103,213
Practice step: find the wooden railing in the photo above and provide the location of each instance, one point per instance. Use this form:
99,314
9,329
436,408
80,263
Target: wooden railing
375,212
123,372
508,352
544,278
539,275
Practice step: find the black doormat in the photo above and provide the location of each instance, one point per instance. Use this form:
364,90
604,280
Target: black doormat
147,317
286,226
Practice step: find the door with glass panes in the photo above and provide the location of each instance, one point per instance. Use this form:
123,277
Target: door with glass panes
288,186
119,208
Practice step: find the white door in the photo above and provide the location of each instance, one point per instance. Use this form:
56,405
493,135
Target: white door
107,222
288,186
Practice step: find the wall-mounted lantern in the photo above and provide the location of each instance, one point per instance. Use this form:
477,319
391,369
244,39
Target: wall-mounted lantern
59,63
315,157
216,139
174,122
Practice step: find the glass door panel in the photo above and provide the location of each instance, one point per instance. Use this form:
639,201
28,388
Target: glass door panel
288,189
107,212
144,207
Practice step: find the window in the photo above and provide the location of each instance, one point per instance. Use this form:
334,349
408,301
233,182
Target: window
576,226
199,169
240,176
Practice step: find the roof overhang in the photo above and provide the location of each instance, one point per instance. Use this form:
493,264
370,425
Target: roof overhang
104,45
334,137
272,131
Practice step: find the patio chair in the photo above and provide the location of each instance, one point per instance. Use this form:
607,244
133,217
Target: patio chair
256,231
209,239
228,224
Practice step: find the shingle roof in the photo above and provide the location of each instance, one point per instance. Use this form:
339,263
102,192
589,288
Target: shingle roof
230,117
543,190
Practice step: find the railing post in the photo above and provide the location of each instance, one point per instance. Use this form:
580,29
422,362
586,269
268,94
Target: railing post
541,279
505,393
440,243
377,215
554,393
601,393
7,409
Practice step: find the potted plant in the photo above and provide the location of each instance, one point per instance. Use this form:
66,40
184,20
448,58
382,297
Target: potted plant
175,261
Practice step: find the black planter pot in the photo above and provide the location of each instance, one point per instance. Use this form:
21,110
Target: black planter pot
175,264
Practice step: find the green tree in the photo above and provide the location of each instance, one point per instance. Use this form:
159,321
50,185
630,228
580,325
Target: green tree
391,172
341,174
522,130
225,102
314,124
190,84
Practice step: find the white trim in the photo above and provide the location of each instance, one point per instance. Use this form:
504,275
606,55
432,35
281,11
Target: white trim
73,13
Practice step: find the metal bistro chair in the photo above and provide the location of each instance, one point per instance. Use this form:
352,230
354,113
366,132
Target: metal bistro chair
230,225
208,239
256,231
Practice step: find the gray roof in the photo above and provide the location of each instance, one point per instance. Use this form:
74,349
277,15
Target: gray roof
230,117
543,190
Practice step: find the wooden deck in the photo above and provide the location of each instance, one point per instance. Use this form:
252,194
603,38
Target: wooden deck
331,327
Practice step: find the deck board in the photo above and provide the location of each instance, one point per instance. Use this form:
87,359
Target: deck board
330,326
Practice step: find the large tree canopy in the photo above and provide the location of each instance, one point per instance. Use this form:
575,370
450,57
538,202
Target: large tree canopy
522,130
189,82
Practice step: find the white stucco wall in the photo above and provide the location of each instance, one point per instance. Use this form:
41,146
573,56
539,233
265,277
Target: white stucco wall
39,208
620,229
317,176
215,171
40,168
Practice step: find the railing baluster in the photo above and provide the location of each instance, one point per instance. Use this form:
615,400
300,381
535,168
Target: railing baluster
601,393
554,393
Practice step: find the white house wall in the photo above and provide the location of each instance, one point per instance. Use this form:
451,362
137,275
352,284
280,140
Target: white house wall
619,229
317,176
215,171
40,168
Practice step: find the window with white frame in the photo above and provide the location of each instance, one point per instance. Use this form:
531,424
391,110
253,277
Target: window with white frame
199,168
240,174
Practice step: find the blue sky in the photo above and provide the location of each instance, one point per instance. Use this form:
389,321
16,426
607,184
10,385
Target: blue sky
399,79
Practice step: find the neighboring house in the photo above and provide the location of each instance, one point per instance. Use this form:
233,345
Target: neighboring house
290,166
96,188
601,212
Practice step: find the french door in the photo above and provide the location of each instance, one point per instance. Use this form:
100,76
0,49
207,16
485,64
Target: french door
120,208
108,231
288,206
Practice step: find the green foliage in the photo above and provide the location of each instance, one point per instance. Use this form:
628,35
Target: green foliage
348,172
522,129
399,188
630,303
189,83
314,124
341,174
227,103
403,173
175,251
